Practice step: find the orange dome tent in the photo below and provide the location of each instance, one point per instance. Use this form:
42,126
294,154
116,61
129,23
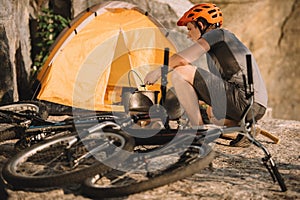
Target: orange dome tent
91,60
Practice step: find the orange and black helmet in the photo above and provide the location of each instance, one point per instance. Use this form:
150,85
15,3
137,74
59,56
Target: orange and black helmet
209,11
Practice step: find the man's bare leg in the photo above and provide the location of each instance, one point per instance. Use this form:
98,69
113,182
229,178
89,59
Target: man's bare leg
182,80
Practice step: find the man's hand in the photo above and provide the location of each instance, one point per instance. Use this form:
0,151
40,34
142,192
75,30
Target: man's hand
152,76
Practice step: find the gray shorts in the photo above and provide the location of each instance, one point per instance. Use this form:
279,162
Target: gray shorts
227,99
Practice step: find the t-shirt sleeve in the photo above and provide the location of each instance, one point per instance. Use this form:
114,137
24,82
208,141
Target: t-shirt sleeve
214,36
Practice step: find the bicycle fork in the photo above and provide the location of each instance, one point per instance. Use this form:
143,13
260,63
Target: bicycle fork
270,165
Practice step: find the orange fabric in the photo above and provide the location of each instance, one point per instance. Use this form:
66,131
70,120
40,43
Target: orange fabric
88,69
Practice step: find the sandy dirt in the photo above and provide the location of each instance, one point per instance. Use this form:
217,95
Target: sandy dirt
236,173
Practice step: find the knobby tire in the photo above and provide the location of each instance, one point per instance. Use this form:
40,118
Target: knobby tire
8,132
37,107
91,189
17,178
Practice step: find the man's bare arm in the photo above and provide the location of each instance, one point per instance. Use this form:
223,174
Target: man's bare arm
189,54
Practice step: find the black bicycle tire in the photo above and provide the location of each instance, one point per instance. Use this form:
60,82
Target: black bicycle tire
8,132
279,178
43,109
21,106
92,191
21,182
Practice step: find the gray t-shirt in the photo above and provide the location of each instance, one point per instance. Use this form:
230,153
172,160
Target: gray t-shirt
229,57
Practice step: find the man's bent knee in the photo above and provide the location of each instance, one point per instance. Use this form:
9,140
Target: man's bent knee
186,73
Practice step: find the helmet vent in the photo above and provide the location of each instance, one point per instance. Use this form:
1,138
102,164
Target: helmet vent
206,6
190,15
198,10
211,11
215,16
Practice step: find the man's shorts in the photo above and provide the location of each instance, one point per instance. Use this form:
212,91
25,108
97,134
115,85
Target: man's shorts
226,99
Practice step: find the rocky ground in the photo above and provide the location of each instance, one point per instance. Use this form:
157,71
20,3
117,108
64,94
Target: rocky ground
236,173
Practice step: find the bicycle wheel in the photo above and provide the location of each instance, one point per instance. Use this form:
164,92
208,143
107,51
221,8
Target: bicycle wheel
56,162
29,107
119,183
8,132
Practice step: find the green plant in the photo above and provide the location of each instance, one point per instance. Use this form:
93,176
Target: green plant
49,26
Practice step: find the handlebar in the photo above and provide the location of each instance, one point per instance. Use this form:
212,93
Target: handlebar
164,80
249,91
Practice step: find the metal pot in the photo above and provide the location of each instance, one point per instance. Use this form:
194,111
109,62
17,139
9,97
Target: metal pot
141,101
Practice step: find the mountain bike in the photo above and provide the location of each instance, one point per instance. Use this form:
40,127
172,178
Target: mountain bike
106,154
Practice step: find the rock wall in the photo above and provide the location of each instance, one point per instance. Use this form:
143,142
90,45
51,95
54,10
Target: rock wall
268,27
6,75
15,49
